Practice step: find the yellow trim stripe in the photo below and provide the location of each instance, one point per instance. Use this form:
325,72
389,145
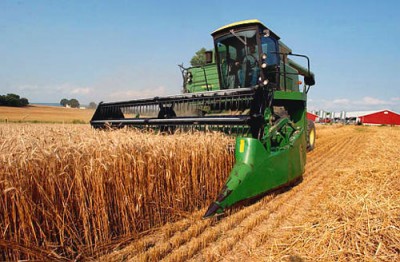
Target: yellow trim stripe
241,147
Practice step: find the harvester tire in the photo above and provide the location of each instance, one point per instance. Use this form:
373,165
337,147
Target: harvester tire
310,135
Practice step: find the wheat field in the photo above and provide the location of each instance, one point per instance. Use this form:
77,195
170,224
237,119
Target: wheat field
67,189
45,114
70,192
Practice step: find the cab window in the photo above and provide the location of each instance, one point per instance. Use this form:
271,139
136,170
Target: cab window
269,48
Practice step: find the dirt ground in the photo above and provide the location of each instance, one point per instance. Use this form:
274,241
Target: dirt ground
347,208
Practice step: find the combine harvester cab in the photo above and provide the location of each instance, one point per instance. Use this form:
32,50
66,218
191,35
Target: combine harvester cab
257,96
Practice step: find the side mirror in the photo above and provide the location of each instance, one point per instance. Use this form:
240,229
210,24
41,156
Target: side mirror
309,80
209,57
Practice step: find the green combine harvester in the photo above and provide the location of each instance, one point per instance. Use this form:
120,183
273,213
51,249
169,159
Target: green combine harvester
248,88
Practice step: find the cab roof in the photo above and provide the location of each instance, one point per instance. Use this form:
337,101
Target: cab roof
241,23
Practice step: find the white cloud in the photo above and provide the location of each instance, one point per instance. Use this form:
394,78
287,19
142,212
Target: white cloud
53,92
28,88
132,94
71,89
120,85
347,104
342,101
372,101
127,83
81,91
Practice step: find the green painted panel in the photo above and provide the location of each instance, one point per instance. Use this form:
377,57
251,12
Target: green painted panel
290,95
200,75
292,78
258,171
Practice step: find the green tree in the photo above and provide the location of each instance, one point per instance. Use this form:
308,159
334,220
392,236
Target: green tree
199,59
64,102
24,101
92,105
2,100
74,103
13,100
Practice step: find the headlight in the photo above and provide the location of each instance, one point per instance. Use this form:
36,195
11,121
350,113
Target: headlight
264,56
189,77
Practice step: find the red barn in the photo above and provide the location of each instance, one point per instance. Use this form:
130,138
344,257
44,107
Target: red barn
383,117
311,116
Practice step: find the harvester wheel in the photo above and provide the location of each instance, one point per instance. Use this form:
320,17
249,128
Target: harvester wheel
310,135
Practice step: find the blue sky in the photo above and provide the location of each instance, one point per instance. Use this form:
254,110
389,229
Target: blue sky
119,50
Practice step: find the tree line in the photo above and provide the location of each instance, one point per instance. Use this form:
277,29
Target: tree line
13,100
74,103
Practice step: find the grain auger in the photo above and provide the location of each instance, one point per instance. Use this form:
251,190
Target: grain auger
257,97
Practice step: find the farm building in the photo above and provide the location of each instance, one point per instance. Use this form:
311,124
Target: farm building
380,117
312,116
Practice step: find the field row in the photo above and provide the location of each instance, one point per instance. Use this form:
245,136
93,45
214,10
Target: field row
346,208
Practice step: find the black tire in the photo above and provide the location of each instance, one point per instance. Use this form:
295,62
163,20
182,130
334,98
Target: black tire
311,134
